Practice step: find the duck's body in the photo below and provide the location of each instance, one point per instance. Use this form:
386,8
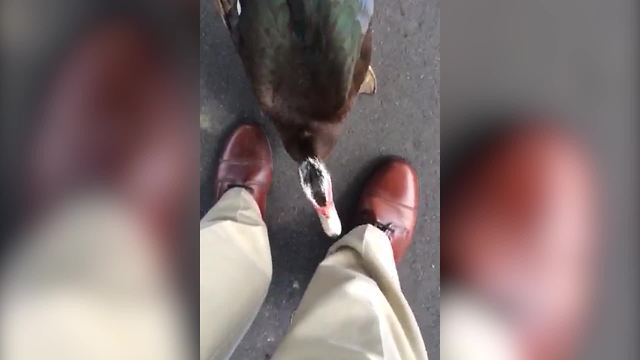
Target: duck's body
306,60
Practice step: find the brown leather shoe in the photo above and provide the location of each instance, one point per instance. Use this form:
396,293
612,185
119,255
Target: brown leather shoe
115,117
246,162
518,230
390,202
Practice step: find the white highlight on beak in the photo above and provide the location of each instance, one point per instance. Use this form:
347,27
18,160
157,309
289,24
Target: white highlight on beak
239,7
331,224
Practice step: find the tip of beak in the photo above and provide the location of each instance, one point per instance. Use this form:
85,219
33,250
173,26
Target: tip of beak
330,221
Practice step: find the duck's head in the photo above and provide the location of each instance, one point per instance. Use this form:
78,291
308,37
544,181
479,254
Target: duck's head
316,183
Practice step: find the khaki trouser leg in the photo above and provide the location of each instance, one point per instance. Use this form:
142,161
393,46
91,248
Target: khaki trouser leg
235,272
354,307
86,282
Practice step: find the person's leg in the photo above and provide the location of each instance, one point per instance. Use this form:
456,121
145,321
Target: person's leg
354,307
235,259
87,281
235,271
106,167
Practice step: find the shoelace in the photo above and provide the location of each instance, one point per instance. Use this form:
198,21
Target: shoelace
387,228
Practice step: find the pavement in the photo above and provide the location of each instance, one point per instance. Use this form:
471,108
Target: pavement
401,119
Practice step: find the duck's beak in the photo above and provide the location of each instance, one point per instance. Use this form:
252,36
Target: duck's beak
316,183
329,219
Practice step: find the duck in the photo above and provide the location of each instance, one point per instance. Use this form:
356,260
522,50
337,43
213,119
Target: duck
307,60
